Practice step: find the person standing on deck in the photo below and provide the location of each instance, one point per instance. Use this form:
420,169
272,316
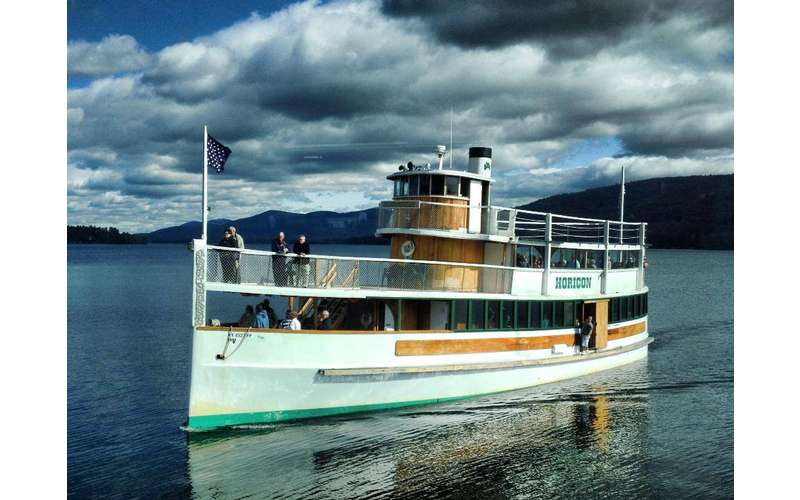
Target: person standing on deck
240,245
302,264
586,333
229,260
280,248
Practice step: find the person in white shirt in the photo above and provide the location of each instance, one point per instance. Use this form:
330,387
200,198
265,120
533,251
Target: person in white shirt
291,322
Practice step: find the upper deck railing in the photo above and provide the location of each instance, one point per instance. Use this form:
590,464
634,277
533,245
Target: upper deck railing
414,214
524,225
254,267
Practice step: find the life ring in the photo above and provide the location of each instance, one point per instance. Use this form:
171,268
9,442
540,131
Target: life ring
407,248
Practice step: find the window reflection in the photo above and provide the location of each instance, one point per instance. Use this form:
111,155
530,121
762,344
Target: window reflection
572,258
530,256
623,259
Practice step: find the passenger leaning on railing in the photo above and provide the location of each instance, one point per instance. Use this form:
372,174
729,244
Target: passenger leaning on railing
280,247
230,260
301,271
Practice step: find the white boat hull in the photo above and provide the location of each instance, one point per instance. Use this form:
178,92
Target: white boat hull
275,376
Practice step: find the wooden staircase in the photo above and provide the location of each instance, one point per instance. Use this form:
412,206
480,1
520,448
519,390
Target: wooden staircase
337,307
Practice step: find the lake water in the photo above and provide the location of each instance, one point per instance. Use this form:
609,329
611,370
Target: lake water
662,427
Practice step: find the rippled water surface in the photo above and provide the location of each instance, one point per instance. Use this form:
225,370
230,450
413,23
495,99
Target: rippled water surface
662,427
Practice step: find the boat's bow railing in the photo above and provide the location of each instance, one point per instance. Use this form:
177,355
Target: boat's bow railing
230,266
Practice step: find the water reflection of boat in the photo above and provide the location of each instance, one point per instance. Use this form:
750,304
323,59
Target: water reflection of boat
591,431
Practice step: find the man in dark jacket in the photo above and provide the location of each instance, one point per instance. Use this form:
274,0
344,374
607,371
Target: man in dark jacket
280,248
302,264
586,333
229,259
325,323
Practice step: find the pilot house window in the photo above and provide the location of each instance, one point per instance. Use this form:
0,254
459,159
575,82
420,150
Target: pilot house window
413,189
424,185
451,186
437,185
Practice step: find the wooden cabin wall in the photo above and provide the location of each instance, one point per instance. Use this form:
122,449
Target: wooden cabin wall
456,278
445,249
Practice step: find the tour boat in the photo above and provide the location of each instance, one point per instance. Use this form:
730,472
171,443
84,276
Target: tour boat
475,299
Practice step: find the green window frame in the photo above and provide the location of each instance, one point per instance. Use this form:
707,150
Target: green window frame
535,315
522,315
492,314
558,317
547,314
569,314
459,310
507,315
477,315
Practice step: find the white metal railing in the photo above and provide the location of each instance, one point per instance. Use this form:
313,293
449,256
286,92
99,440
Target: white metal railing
566,229
526,225
235,266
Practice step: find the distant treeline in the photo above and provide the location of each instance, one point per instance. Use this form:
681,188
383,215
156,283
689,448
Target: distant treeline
94,234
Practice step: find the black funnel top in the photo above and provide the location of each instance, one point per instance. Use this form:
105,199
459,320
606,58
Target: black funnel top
480,152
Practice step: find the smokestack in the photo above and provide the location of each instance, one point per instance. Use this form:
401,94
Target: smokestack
480,161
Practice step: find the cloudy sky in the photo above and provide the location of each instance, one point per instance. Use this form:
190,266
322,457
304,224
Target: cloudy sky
320,100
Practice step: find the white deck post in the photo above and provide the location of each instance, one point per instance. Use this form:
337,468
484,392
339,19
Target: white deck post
606,255
642,239
548,238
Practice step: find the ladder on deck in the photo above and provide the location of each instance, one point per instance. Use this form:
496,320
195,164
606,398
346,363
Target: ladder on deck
337,307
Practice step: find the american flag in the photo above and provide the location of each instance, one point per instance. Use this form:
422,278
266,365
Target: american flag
217,154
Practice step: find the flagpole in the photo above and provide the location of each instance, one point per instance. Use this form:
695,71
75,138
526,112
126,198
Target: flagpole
205,184
621,204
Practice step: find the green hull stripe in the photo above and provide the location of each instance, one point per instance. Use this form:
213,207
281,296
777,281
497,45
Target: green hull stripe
208,422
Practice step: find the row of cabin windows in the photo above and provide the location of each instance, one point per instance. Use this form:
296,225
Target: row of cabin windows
571,258
627,308
514,315
431,185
